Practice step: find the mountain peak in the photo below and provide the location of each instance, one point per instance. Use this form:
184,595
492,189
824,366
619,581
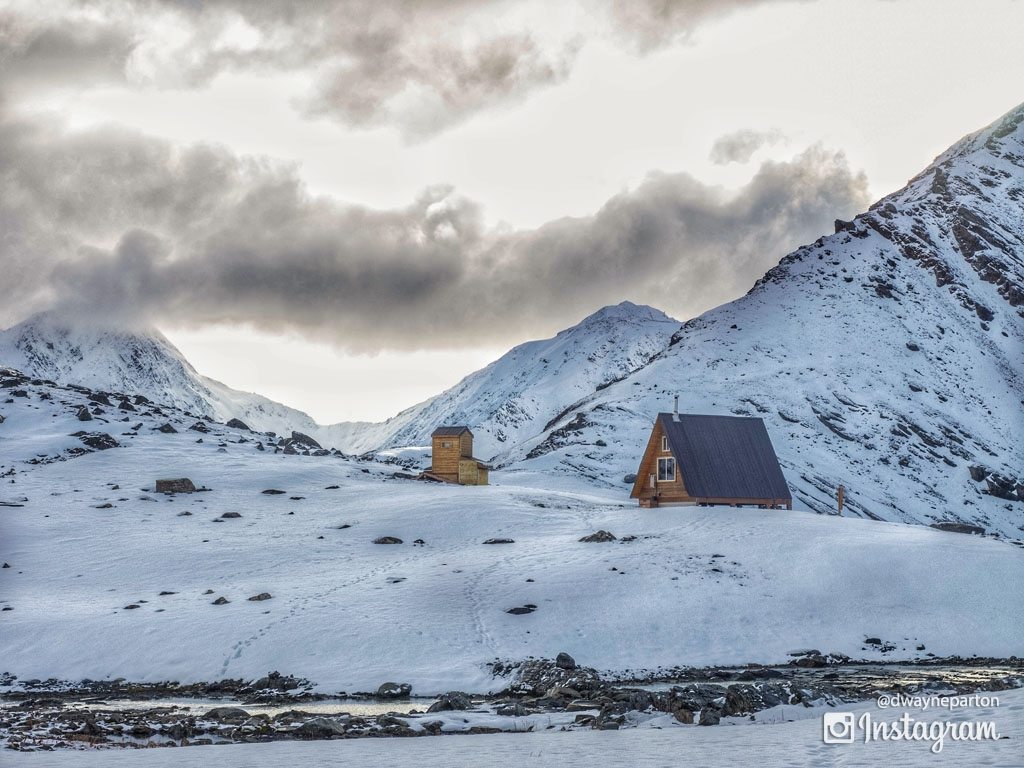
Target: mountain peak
624,311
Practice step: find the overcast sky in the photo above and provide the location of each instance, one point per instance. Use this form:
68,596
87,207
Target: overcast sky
347,205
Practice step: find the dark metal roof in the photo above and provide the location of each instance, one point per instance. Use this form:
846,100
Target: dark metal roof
449,431
726,457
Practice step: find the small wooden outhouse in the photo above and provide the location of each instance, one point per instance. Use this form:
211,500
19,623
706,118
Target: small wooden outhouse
451,457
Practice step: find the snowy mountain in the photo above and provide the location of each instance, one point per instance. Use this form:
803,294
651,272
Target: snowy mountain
516,397
48,347
888,357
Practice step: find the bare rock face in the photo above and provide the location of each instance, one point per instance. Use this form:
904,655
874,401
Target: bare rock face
176,485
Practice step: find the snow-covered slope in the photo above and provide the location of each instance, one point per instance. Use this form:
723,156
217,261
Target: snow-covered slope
109,579
514,398
50,347
888,356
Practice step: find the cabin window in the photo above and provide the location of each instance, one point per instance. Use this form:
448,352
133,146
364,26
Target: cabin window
666,470
664,443
446,443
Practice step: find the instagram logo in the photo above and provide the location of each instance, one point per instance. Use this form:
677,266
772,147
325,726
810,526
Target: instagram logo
838,727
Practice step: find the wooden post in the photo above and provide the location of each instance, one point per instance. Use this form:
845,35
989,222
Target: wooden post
841,497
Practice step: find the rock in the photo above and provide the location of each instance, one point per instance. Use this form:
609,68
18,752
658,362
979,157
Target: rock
200,427
299,437
565,661
873,640
231,515
684,716
227,715
83,414
500,541
124,405
175,485
954,527
319,728
515,709
710,716
629,479
811,661
977,473
387,540
238,424
913,347
260,597
272,492
99,441
598,537
739,700
451,701
522,610
394,690
221,601
142,400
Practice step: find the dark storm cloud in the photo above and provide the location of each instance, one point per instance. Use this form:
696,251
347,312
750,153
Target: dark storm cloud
420,65
740,146
113,224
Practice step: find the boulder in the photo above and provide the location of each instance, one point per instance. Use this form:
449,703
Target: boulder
175,485
977,473
231,515
565,661
200,427
451,701
319,728
124,405
272,492
167,429
500,541
227,715
83,414
260,597
391,690
99,441
238,424
522,610
387,540
684,716
598,537
221,601
299,437
629,479
710,716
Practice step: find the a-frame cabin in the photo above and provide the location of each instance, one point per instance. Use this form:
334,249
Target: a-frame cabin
708,460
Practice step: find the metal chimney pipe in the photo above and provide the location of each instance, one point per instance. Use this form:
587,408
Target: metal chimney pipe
675,408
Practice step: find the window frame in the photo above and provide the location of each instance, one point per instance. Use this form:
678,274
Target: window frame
664,443
446,443
669,463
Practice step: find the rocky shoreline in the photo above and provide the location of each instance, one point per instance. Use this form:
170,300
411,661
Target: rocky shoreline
543,694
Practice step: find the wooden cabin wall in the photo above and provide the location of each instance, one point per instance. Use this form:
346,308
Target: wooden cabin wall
445,461
668,491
